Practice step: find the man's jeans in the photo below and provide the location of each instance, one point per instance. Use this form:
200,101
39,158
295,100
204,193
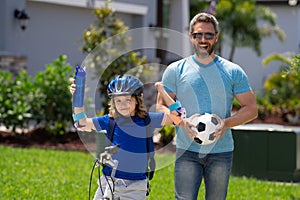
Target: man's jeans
190,167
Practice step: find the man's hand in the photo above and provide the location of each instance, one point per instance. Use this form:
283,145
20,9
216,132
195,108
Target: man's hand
220,130
192,133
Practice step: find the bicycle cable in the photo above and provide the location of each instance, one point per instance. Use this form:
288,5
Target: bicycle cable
91,178
100,184
113,183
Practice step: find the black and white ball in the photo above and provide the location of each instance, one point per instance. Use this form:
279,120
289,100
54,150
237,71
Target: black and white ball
205,126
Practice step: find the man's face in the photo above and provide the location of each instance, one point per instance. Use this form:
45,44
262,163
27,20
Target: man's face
204,39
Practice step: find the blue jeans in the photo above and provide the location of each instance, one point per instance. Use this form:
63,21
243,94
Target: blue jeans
191,167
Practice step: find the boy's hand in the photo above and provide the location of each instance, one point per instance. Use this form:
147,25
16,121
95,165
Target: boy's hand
72,86
188,126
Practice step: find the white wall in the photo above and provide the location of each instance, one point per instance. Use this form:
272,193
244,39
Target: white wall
52,30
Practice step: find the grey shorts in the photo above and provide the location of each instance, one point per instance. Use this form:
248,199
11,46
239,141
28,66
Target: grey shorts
125,189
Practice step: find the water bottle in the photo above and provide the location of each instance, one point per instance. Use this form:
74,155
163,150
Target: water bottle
78,96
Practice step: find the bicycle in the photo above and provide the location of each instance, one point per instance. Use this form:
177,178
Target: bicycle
104,159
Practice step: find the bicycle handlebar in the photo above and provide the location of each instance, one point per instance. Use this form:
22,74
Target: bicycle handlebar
105,157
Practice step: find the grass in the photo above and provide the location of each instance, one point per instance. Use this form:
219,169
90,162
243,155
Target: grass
53,174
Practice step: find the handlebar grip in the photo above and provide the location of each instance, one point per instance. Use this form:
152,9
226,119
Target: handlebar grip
78,96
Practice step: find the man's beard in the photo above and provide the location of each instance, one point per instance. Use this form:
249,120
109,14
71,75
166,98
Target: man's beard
201,52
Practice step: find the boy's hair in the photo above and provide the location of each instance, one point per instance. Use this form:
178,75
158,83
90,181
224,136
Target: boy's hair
140,109
204,17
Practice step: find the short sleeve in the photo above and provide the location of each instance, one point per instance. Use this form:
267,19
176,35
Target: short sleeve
156,119
96,124
169,78
101,123
241,83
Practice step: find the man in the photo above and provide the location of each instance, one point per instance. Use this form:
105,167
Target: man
207,83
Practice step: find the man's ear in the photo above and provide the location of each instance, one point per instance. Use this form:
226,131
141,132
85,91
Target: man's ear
217,37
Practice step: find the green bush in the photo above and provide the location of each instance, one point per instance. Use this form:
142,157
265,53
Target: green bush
54,82
5,93
42,102
18,100
281,93
167,134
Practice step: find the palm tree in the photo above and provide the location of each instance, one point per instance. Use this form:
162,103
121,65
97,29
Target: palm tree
285,58
239,24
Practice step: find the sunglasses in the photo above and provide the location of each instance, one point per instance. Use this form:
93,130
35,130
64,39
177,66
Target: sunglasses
207,36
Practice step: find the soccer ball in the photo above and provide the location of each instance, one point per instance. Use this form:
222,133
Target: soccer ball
205,126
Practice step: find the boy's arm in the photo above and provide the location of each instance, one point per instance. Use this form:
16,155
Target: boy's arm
168,100
173,111
81,120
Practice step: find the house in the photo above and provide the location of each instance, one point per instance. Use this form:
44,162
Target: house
56,27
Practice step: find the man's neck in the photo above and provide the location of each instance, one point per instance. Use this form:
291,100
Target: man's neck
207,60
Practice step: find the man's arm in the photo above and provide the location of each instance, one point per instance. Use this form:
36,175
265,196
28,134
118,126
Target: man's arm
246,113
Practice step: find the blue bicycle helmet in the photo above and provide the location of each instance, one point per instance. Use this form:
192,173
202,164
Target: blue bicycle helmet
125,85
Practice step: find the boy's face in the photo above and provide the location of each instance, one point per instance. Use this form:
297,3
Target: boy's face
125,105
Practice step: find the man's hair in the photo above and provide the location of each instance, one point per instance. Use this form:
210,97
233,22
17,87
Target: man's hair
204,17
140,109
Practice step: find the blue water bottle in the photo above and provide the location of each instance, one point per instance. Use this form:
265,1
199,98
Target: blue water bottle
78,96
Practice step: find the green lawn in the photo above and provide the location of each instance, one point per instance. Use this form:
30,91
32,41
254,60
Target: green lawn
52,174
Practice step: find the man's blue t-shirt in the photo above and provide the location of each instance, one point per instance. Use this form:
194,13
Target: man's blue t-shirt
205,89
131,134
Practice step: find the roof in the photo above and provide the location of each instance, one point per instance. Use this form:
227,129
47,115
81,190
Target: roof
278,2
117,6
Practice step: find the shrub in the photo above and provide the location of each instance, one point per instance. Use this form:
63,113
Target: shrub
43,101
281,93
19,100
54,82
167,134
5,95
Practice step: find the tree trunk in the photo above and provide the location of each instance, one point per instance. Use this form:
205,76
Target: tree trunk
232,52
